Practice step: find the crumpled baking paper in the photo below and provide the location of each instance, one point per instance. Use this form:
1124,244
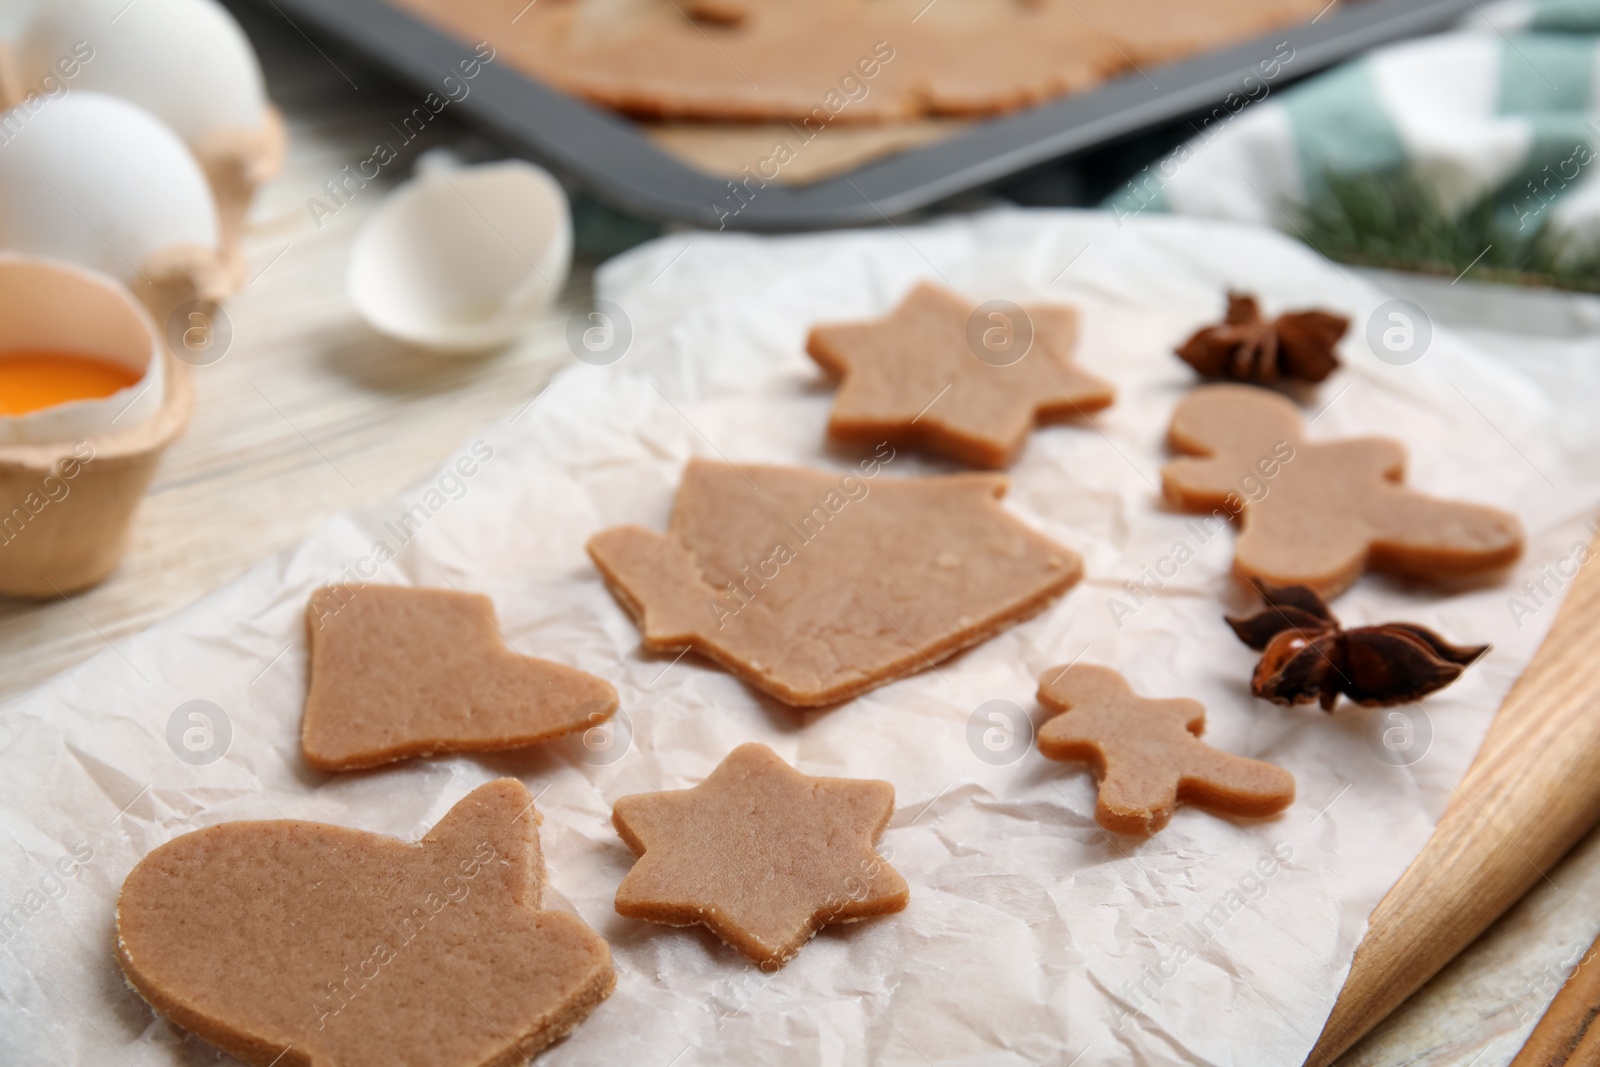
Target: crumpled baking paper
1032,937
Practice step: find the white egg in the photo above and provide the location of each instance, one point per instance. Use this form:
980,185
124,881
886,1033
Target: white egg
185,61
101,182
463,258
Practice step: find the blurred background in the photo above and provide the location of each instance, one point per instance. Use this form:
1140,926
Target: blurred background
1431,156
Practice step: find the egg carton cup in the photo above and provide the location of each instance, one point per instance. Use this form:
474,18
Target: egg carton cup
181,274
11,91
72,474
236,163
66,508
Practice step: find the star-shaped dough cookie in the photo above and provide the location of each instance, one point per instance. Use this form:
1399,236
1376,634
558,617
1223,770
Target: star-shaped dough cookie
1320,513
817,587
399,672
939,372
1148,753
760,854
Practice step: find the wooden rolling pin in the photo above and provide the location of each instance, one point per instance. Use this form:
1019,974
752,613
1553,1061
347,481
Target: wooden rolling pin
1568,1036
1531,793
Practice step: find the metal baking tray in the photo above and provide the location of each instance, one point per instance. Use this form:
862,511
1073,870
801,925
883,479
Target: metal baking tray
613,158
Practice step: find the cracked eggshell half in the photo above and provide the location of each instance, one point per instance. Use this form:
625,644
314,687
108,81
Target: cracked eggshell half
189,64
463,259
98,181
47,306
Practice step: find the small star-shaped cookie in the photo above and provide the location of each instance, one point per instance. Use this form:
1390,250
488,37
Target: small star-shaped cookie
760,854
954,378
1148,753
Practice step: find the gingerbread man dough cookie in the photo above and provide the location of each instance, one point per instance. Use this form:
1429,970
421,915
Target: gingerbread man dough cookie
296,942
399,672
917,376
1319,514
760,854
816,587
1148,754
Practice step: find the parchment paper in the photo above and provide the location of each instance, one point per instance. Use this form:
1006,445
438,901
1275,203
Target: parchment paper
1032,937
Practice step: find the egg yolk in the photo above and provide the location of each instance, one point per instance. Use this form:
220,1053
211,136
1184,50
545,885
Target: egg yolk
31,381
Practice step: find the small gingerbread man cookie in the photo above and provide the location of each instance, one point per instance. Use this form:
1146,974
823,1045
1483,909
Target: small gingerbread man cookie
1148,753
1320,514
917,375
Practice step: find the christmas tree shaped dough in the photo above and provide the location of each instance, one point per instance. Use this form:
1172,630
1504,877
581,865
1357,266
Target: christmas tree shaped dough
1148,753
399,672
816,587
1319,514
762,855
916,375
297,942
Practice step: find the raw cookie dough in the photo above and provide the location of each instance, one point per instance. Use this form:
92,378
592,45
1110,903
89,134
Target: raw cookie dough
355,949
1328,510
915,375
816,587
823,62
1148,754
399,672
760,854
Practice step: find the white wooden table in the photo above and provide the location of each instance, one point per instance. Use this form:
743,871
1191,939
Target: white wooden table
310,413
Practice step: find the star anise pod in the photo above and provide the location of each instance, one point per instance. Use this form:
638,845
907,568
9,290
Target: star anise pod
1249,348
1306,655
719,12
